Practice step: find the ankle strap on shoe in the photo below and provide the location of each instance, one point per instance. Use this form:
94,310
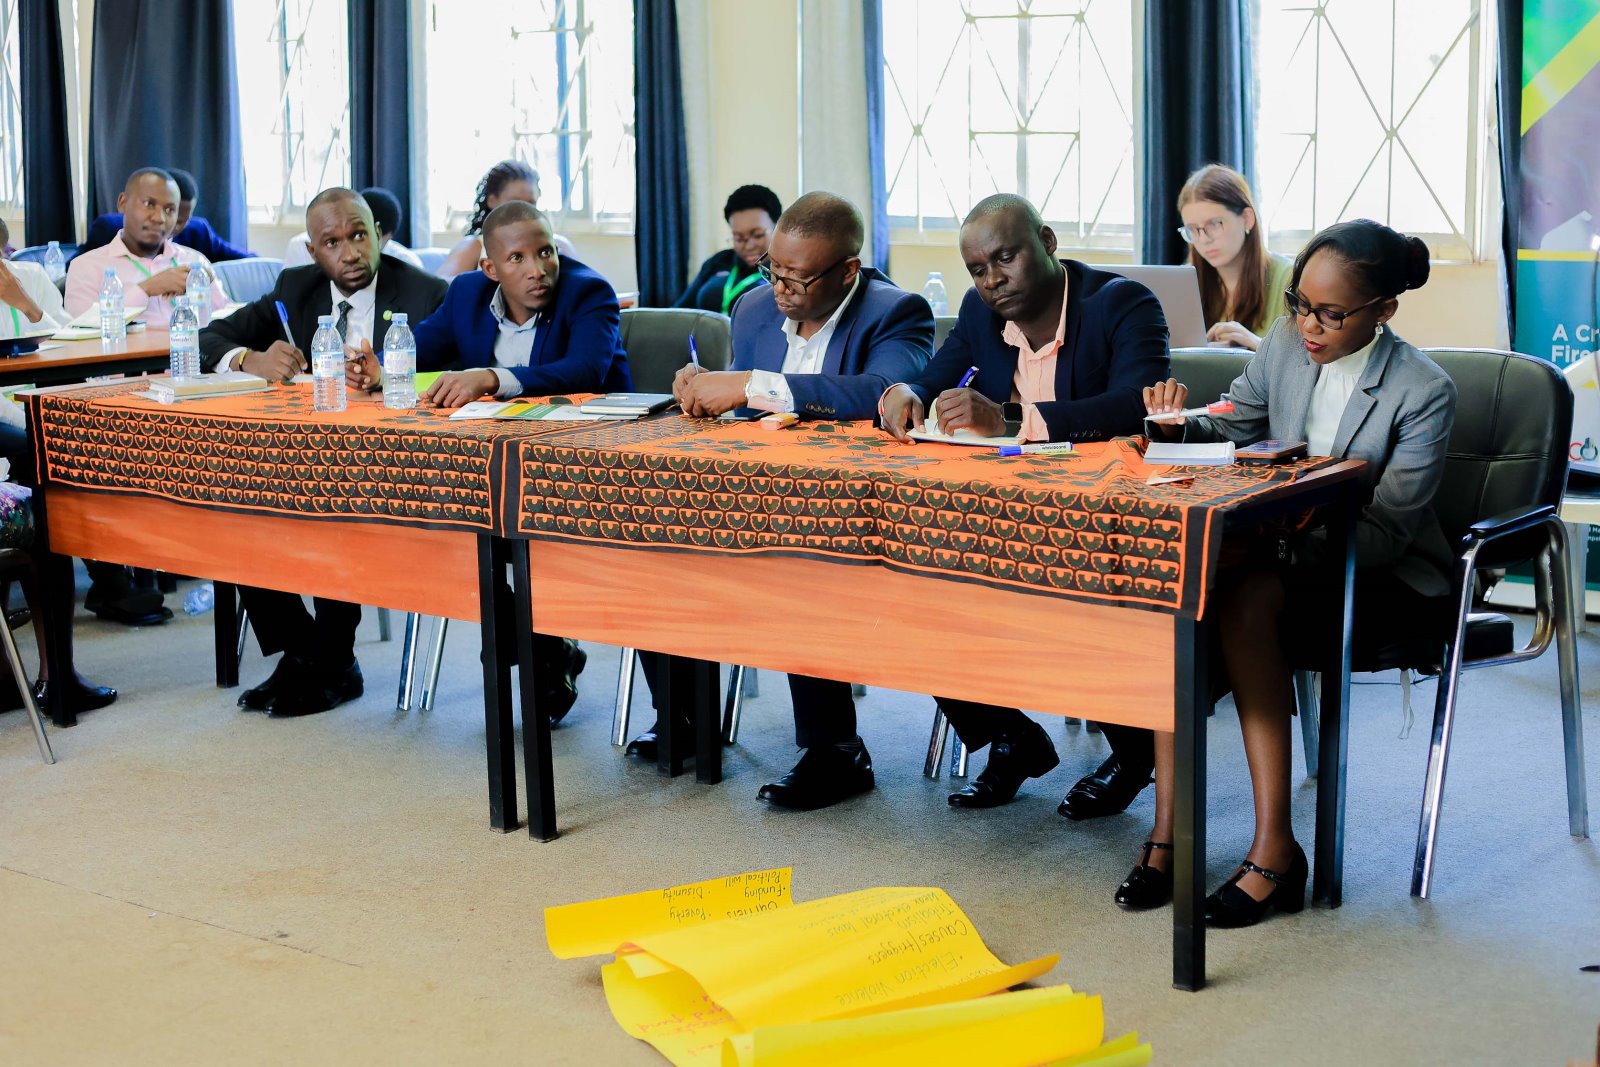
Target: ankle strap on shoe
1272,876
1158,844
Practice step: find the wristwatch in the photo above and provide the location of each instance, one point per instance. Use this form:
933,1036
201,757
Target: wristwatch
1012,414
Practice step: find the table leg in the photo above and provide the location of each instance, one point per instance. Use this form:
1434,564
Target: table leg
1327,883
1193,699
498,729
537,757
708,722
57,603
225,633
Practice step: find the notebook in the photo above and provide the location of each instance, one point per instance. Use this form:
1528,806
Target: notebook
1182,454
86,327
162,389
931,434
632,404
526,410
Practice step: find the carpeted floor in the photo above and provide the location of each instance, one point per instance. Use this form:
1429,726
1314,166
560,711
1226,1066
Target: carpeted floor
191,883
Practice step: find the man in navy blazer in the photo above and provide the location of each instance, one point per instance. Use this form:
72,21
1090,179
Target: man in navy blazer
529,322
823,341
1063,352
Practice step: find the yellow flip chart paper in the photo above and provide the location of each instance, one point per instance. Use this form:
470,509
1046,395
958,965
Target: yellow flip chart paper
671,1012
1005,1030
599,927
1124,1051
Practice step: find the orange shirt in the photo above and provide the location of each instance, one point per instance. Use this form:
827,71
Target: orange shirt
1035,380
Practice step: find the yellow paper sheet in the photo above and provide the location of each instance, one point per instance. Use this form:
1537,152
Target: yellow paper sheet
1124,1051
1006,1030
599,927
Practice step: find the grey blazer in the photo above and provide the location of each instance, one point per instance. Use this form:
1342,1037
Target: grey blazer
1398,420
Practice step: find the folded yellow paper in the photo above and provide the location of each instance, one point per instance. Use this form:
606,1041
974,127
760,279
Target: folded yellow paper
598,927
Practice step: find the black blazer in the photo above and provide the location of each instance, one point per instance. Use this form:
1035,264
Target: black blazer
305,295
1116,344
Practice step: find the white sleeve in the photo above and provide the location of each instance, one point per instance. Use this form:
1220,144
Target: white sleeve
42,291
769,391
509,386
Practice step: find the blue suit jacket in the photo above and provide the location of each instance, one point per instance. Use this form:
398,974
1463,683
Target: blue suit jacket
884,336
1115,345
577,347
196,234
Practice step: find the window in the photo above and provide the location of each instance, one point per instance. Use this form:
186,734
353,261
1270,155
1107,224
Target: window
549,83
1027,96
10,113
1373,109
294,102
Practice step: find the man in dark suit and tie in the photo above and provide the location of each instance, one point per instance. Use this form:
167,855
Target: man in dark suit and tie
351,280
531,322
1062,352
824,340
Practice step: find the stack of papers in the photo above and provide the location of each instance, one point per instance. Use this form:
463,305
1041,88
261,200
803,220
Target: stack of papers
629,405
163,389
1182,454
86,327
524,409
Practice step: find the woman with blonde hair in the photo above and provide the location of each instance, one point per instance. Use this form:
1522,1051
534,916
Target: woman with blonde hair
1241,283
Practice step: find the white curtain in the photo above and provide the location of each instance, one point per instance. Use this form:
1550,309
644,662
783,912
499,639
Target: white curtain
833,105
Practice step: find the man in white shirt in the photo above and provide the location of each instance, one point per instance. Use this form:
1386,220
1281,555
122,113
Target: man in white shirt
29,301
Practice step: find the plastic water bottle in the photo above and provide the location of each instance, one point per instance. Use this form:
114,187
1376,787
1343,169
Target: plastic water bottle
935,295
113,326
199,600
327,366
197,287
55,264
399,365
184,340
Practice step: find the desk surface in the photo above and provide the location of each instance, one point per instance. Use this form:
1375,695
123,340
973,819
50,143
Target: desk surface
71,361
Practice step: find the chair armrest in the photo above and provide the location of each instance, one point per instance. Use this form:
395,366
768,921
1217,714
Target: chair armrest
1507,523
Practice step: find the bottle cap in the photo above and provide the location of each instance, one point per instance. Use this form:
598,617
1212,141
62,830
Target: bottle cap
324,320
400,318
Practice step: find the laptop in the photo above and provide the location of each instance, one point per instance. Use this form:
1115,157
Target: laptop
1178,289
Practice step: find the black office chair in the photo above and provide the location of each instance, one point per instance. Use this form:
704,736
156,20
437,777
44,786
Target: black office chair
942,325
657,343
1505,471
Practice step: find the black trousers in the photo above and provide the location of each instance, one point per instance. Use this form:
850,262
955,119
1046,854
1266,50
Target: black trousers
282,624
979,724
824,710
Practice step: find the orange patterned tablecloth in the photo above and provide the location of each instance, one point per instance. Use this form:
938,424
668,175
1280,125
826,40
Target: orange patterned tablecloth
1084,525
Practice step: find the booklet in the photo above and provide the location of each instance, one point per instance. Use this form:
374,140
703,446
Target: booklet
527,410
1181,454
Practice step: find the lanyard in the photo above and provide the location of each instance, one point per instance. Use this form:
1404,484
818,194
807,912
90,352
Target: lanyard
146,271
16,322
730,291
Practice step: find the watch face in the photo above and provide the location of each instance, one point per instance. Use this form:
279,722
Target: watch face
1011,412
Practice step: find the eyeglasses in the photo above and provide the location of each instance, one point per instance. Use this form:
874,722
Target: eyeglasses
1330,319
1209,230
764,266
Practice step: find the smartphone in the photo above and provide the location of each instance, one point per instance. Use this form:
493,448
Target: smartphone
1270,452
743,415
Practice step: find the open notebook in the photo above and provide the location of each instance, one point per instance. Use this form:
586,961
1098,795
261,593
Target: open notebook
931,434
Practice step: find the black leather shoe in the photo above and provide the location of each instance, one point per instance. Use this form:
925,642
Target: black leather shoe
20,617
1012,761
290,673
1109,790
117,599
825,775
1230,907
81,696
1146,887
558,682
323,690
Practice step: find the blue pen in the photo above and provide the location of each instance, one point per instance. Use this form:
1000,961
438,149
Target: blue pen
283,317
966,379
694,356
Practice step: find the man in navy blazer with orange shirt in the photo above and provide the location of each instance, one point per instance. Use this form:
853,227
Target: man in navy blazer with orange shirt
1063,352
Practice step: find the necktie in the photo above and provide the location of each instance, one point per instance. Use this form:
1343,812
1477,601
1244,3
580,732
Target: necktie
344,319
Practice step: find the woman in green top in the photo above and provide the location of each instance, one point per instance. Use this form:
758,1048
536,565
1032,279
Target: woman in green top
751,213
1241,283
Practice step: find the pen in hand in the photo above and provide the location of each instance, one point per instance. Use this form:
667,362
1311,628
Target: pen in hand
694,355
283,317
966,379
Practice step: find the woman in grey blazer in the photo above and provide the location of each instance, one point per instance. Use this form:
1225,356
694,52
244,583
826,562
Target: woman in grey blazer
1332,374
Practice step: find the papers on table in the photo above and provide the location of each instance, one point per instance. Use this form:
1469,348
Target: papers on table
163,389
931,434
523,409
86,327
1183,454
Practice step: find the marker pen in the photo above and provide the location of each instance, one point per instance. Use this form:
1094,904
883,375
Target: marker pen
1220,407
1043,448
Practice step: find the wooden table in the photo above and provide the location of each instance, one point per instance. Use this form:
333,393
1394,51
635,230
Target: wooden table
882,626
146,352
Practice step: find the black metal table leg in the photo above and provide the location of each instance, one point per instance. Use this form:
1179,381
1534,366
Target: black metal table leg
708,722
1193,699
498,728
537,757
225,632
1327,883
57,603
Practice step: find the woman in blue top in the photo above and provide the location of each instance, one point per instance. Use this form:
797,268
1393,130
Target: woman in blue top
1330,373
752,214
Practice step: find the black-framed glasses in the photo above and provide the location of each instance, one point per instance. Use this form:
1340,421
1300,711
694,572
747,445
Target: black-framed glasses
1330,319
764,266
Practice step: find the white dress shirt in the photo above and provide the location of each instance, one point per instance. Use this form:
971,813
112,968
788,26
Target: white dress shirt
769,391
1331,395
513,345
357,328
43,292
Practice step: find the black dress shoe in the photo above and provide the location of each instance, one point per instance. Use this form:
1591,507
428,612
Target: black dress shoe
20,617
825,775
558,682
1012,761
1146,887
287,675
1231,907
117,599
81,696
1109,790
321,690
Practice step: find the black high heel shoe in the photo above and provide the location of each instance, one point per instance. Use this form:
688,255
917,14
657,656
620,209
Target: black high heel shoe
1146,887
1231,907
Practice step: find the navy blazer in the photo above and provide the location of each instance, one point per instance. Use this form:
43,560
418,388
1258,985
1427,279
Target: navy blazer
884,336
196,234
577,346
1115,345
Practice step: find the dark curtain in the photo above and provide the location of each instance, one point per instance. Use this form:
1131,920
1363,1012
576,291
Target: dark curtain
46,159
1197,107
1508,89
165,92
872,25
661,156
380,105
